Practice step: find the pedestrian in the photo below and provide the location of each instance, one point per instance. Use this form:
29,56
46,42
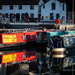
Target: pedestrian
63,18
11,18
3,18
0,17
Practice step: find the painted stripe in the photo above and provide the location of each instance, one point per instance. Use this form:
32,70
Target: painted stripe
58,56
58,49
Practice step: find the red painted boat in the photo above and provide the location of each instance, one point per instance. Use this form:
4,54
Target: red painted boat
17,38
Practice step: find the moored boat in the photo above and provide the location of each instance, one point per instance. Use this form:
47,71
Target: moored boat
64,41
9,38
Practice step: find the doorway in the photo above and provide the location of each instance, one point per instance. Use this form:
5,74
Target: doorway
39,15
17,17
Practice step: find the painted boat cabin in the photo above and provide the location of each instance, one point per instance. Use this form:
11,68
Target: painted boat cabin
9,38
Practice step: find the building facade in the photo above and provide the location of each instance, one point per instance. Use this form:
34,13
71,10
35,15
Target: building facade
17,11
49,9
53,9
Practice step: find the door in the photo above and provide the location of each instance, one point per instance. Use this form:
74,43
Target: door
17,17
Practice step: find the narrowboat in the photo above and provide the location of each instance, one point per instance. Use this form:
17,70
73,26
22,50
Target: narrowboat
17,39
43,37
63,41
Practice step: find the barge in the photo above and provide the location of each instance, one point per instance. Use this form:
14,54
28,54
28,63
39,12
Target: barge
17,39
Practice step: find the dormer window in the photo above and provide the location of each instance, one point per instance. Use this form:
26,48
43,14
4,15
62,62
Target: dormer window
43,6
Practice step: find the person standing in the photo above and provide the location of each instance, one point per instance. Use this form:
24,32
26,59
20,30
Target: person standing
0,17
3,18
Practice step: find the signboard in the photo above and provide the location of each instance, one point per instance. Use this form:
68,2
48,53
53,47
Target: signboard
56,21
9,38
67,41
68,61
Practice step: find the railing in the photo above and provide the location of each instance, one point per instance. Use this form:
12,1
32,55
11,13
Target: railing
66,21
61,21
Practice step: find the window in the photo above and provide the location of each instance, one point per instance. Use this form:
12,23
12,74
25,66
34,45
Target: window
40,9
51,16
36,35
31,54
57,16
11,7
53,6
63,7
0,7
24,55
32,7
24,37
31,15
43,6
31,36
20,7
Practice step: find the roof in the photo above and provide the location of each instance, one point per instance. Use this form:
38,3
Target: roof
19,2
62,1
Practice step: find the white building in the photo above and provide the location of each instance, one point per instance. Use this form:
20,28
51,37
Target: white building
35,9
17,9
53,9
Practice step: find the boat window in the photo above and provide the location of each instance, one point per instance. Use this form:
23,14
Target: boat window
36,35
57,42
24,37
31,54
24,55
31,36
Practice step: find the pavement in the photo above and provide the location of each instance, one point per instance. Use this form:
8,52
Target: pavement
61,26
46,73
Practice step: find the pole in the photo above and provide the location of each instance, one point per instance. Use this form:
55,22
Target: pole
73,11
72,69
56,25
48,49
